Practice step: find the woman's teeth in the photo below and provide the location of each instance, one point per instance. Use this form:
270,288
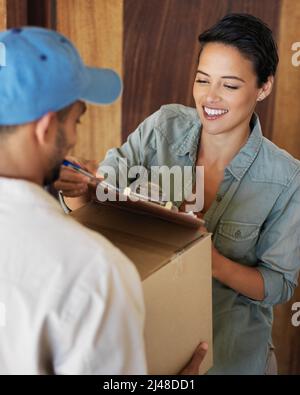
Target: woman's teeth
213,112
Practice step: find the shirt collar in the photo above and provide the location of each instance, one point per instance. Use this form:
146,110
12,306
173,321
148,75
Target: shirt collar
246,156
240,163
189,144
24,192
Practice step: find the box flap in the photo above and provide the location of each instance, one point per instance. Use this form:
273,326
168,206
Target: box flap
149,242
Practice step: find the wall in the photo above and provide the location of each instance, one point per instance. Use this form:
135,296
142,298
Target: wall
95,26
3,14
286,134
286,131
161,52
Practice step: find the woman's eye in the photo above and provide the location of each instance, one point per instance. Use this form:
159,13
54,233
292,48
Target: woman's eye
202,81
231,87
78,122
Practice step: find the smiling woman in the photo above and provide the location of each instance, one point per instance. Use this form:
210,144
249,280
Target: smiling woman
252,189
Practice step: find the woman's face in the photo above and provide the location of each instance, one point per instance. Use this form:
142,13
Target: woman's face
225,89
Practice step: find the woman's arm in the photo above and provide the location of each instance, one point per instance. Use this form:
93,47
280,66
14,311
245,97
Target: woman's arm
245,280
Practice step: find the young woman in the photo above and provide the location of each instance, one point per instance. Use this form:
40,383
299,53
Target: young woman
252,188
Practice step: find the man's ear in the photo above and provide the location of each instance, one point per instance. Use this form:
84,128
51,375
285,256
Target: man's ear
266,89
43,127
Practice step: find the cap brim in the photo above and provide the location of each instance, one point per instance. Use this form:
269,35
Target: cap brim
104,86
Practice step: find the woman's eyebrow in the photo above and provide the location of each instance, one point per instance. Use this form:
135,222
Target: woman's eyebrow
232,77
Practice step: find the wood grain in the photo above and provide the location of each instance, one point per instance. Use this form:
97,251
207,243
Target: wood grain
287,115
286,338
269,12
286,134
41,13
3,15
95,26
16,13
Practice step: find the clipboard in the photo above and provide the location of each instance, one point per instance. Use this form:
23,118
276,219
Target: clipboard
146,207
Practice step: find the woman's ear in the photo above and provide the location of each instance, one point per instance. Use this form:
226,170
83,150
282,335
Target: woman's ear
266,89
43,128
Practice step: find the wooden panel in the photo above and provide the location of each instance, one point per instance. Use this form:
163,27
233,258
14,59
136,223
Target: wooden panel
13,13
286,338
286,135
160,53
16,13
287,115
161,50
3,15
95,26
41,13
269,12
26,12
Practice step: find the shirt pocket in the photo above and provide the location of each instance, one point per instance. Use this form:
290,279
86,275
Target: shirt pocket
236,240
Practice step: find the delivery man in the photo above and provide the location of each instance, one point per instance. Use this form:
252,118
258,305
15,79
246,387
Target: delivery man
71,303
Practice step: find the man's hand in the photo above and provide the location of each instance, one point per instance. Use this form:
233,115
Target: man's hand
74,184
192,368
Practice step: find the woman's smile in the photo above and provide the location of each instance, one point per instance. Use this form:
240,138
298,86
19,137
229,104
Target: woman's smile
212,113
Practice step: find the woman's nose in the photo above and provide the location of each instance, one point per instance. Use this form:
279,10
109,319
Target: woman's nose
213,95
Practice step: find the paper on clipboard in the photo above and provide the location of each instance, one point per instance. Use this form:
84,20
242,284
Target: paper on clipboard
139,204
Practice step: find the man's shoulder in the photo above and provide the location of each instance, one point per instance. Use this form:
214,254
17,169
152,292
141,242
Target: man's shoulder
76,260
77,243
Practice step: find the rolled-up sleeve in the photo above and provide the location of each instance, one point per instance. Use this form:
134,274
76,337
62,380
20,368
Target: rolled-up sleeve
278,248
278,289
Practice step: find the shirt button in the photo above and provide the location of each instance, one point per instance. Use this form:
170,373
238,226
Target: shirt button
219,198
238,234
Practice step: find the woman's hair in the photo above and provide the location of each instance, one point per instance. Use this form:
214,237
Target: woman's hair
251,36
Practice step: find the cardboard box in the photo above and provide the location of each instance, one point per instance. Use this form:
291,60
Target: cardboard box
174,263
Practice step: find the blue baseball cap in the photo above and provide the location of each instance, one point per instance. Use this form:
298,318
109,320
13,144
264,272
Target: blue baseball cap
43,72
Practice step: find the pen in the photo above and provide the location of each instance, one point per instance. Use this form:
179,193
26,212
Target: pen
80,170
77,168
